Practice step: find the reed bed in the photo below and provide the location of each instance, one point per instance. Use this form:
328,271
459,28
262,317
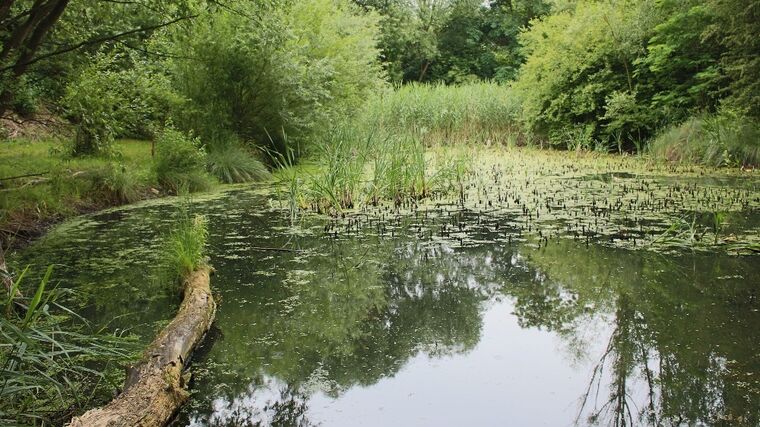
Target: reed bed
384,152
481,112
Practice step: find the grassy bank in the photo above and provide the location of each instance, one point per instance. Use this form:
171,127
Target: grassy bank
41,185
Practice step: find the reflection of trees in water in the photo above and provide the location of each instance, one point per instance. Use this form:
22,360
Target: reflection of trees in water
357,317
623,355
285,408
681,343
687,337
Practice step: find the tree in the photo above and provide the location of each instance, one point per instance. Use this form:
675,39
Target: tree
278,81
40,30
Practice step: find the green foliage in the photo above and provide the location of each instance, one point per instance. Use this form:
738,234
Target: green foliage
233,164
119,94
26,97
93,102
579,70
51,364
180,163
629,68
724,139
184,249
681,66
285,77
452,41
736,27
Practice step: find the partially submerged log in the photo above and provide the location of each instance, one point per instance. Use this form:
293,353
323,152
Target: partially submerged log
155,389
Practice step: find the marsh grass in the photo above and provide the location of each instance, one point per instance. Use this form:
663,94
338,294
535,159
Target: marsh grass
482,113
184,247
359,166
233,164
723,139
384,152
400,171
343,154
52,365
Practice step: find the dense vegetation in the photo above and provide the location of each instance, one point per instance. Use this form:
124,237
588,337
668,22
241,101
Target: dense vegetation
104,103
277,75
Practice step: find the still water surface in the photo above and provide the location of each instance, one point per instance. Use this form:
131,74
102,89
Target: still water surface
409,328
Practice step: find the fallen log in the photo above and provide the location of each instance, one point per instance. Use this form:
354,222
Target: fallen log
155,388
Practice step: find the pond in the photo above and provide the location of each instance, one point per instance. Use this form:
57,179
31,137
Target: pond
481,311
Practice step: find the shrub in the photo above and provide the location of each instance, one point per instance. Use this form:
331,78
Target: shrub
93,102
233,164
117,184
580,71
180,163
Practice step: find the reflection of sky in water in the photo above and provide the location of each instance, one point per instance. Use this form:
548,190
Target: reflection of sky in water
514,376
476,388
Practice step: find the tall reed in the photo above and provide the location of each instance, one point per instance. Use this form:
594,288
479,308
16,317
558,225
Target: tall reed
481,112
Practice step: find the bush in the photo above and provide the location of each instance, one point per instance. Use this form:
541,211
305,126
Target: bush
26,97
117,184
180,163
580,71
723,139
93,102
233,164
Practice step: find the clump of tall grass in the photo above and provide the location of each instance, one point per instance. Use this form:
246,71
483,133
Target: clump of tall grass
231,163
51,366
117,184
184,248
480,112
362,165
723,139
342,154
399,170
180,162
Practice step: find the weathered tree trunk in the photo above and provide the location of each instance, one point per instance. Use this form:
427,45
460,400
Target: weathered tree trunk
154,388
